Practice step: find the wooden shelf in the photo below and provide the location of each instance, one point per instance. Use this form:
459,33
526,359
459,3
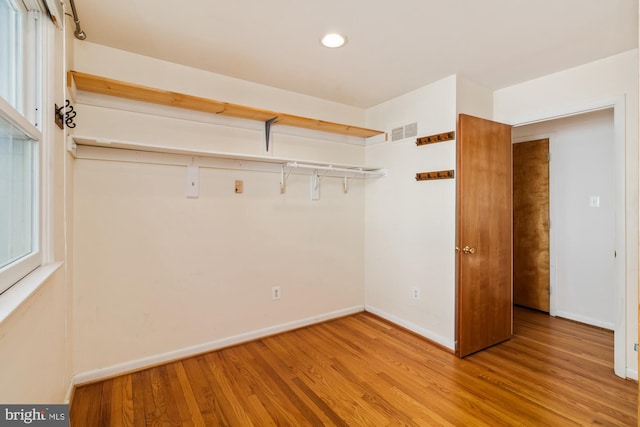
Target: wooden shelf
105,86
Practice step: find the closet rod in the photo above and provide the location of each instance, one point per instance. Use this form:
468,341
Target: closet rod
330,168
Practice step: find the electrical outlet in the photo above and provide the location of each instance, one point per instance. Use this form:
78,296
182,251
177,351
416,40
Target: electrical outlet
415,292
275,293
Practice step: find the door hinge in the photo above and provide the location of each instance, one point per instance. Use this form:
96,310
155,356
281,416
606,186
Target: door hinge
548,156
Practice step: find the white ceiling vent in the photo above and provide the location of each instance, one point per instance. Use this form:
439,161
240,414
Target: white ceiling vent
411,130
397,134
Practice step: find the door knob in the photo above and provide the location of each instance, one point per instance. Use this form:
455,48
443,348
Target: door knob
468,250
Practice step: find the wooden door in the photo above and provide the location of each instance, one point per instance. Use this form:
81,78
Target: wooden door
531,224
484,234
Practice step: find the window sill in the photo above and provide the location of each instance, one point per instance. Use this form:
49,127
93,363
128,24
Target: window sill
21,291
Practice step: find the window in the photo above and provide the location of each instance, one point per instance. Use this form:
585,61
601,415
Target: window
20,139
10,26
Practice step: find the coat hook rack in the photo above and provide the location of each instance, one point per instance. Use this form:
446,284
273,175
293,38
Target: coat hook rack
440,137
427,176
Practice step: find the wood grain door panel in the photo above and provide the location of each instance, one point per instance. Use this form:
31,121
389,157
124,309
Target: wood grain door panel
531,224
484,187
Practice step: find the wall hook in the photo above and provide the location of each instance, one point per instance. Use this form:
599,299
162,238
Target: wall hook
65,117
283,179
315,185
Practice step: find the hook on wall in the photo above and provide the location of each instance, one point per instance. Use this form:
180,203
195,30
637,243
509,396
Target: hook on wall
66,117
283,179
315,185
345,185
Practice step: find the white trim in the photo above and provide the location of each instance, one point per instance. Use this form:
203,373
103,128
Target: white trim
55,10
69,394
568,111
146,362
378,139
632,374
585,319
13,297
47,145
619,138
18,120
432,336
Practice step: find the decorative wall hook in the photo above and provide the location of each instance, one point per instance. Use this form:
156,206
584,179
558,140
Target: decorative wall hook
441,137
65,117
427,176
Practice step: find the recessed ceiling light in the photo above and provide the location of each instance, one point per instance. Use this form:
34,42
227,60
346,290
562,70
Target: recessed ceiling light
334,40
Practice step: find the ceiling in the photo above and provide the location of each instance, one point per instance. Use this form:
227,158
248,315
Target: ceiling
393,46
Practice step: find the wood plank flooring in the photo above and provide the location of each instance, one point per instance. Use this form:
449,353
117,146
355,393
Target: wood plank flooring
362,371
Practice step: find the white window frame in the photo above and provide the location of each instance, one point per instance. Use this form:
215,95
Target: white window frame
28,116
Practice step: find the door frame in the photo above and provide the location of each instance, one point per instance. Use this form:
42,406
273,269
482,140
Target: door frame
619,130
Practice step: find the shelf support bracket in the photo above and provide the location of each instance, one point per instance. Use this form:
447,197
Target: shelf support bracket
267,130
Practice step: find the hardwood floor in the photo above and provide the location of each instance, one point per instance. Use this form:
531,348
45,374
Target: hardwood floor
362,371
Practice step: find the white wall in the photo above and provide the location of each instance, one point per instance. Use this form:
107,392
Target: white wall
473,99
112,63
582,149
410,225
33,348
580,89
159,276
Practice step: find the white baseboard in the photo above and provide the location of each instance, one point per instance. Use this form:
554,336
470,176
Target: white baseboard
412,327
631,374
584,319
146,362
